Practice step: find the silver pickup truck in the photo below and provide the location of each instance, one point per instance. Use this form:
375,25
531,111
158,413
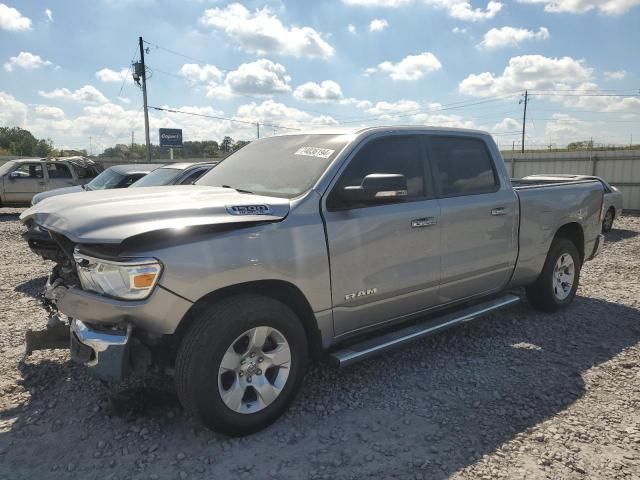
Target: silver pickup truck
335,244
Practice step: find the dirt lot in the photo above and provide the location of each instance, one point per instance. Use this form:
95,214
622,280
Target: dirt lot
517,394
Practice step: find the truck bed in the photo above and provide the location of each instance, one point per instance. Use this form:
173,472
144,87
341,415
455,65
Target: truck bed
545,206
520,183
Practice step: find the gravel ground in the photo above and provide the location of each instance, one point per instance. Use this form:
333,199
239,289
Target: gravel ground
519,394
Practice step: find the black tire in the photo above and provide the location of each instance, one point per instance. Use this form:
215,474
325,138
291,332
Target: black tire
607,222
214,330
541,294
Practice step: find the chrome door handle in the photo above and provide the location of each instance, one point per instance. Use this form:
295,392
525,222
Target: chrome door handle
498,211
423,222
40,183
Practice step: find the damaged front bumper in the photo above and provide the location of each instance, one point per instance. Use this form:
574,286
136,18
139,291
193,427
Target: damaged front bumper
104,352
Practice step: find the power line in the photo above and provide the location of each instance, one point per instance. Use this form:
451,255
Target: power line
246,122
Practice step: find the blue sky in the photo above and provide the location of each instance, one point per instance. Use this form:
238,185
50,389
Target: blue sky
307,64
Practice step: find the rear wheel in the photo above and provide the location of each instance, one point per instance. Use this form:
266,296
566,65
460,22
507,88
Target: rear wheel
241,364
557,284
607,223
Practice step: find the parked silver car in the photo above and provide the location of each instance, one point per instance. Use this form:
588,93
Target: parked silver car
175,174
21,179
612,196
118,176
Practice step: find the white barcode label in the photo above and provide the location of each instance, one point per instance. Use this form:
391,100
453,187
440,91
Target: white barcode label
315,152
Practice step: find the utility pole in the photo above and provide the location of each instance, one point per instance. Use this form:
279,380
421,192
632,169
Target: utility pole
143,74
90,146
132,140
524,116
258,129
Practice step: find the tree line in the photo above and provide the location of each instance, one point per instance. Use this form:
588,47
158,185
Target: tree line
20,142
190,149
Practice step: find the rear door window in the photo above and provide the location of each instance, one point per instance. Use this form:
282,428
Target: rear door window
58,170
462,166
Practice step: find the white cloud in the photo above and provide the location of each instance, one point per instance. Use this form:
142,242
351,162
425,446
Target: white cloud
362,104
49,15
271,112
412,67
617,75
506,125
459,30
378,24
262,77
326,91
351,28
195,73
510,37
107,75
86,94
12,112
12,20
581,97
26,60
262,32
51,113
527,72
412,112
387,109
609,7
462,9
377,3
568,79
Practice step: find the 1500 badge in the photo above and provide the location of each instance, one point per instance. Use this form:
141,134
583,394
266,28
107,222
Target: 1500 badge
361,293
249,210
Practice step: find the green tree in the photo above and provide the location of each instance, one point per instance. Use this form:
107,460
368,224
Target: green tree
18,141
227,144
239,144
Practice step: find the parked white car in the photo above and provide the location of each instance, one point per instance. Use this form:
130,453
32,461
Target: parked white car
612,196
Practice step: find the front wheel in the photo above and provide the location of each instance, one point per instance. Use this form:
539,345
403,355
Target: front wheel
241,364
607,223
558,282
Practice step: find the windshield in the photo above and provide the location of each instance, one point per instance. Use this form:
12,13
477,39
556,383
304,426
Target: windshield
107,179
282,166
5,168
160,176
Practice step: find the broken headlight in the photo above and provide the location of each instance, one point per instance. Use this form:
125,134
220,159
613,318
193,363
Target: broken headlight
131,279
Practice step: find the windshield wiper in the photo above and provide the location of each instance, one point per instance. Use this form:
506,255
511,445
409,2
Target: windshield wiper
239,190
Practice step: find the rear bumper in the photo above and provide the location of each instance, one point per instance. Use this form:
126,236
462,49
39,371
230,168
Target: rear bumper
104,352
598,246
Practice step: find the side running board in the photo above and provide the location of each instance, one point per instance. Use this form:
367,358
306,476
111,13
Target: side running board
383,343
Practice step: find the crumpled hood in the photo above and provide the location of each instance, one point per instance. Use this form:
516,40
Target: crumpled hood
111,216
38,197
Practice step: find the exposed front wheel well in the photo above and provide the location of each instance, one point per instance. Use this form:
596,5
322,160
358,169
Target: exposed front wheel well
573,232
284,292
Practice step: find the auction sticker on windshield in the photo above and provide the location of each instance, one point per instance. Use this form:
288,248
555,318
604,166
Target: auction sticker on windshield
315,152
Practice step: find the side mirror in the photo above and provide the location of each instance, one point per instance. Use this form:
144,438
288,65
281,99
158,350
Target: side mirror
378,188
14,175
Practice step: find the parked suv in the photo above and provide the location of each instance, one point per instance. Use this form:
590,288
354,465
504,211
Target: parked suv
21,179
349,243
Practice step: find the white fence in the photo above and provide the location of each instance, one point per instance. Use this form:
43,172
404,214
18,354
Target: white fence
620,168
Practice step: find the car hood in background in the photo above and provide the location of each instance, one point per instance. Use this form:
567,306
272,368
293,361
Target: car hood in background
38,197
111,216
